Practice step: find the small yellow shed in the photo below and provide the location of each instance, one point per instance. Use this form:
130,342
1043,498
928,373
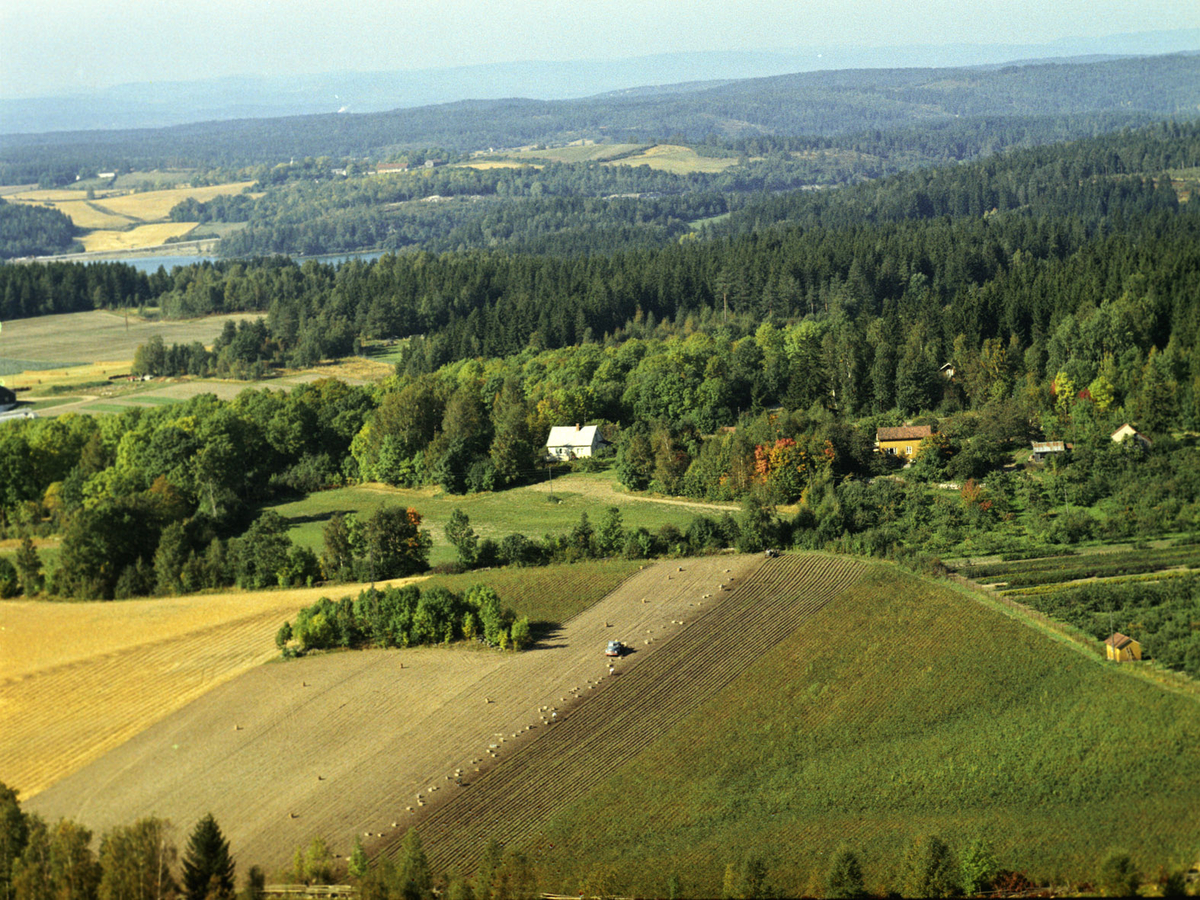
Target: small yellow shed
1121,648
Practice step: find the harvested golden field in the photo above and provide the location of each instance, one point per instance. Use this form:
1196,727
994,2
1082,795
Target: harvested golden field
86,214
363,742
47,196
122,220
78,679
141,236
153,205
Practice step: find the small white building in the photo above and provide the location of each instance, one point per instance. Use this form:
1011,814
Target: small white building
1126,432
573,441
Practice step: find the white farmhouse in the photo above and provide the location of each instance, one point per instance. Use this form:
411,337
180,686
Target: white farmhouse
573,441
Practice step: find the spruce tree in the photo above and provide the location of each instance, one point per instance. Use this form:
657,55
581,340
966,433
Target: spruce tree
208,869
845,878
359,865
414,878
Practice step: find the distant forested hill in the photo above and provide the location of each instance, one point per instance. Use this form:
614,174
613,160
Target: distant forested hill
817,104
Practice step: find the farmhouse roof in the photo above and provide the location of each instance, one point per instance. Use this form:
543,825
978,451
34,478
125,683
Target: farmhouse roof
1128,431
1048,446
1119,640
572,436
903,433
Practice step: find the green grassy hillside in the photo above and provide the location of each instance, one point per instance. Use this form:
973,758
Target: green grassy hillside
525,510
901,708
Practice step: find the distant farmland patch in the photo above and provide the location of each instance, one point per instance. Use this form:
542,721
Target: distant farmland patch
484,164
118,220
676,160
152,205
576,153
141,236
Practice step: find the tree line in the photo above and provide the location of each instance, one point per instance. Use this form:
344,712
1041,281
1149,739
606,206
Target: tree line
40,860
405,617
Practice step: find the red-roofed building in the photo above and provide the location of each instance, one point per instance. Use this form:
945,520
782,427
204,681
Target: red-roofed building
901,441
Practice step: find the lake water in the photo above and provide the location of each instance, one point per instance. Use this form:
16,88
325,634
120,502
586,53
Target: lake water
152,263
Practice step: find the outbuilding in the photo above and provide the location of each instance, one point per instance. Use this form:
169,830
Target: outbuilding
1042,450
1121,648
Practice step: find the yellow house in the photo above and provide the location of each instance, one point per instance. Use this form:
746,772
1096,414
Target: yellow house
902,441
1122,649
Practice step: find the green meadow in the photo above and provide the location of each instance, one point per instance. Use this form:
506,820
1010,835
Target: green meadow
534,510
903,708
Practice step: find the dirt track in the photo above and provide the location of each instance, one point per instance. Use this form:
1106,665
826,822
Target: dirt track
344,743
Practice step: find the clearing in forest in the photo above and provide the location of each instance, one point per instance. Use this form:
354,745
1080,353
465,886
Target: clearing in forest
677,160
527,510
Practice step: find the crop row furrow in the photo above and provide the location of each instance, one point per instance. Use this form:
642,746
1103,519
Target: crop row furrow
633,710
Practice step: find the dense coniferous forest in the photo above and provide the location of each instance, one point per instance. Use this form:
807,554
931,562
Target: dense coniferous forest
34,231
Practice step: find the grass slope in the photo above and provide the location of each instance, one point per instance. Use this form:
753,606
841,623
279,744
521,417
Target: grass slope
526,510
547,594
902,707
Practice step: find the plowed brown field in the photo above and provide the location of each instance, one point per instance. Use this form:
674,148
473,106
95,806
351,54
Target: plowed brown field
365,742
513,801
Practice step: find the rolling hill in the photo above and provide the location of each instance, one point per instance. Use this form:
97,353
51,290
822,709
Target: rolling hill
827,701
814,104
774,708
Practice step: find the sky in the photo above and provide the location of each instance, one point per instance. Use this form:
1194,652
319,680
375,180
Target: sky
50,47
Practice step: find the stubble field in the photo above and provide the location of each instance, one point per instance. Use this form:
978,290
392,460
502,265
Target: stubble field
78,679
115,220
136,238
342,744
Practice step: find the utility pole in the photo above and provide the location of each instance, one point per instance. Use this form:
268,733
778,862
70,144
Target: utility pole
550,475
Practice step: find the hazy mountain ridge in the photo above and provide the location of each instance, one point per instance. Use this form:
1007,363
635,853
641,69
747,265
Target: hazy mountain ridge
817,105
160,104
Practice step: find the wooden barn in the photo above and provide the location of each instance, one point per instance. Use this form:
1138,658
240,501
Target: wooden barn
1128,432
1121,648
